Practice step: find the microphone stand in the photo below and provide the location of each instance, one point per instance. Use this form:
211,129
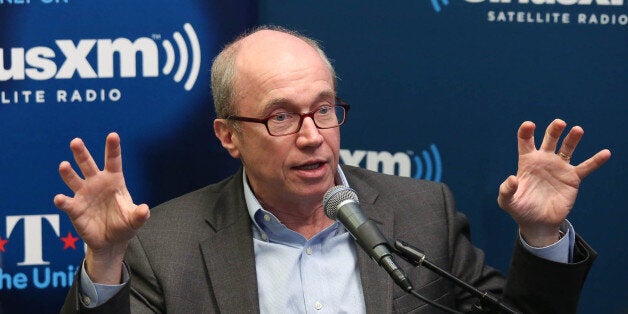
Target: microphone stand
416,257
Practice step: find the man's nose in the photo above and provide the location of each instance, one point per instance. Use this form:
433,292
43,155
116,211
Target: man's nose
309,131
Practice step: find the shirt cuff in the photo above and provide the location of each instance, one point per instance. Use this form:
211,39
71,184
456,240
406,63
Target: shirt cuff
561,251
95,294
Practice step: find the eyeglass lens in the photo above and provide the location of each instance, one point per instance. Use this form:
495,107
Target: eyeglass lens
324,118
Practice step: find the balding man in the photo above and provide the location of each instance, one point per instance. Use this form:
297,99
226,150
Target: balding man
259,241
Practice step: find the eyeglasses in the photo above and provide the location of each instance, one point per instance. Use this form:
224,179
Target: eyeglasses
286,123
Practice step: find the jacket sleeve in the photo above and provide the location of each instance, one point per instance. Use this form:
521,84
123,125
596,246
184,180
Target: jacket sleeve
537,285
119,303
533,285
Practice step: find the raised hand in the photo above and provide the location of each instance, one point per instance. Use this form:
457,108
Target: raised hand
102,210
543,192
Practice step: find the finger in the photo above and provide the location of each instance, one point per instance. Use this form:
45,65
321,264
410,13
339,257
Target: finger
552,134
113,153
506,191
63,202
525,138
70,177
588,166
570,142
139,216
83,158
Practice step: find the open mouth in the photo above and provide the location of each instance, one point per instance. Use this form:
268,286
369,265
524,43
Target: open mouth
313,166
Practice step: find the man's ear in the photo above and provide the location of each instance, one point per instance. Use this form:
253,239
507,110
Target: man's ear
225,133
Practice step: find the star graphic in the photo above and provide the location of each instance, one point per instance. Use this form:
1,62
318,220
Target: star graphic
69,241
2,243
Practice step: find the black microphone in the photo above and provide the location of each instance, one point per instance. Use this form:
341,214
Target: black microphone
341,203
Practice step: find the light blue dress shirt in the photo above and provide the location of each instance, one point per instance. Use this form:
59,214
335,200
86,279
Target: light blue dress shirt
296,275
320,275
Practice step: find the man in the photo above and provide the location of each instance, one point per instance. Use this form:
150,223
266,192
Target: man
259,241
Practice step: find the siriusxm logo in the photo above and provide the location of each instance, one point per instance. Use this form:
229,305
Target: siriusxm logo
40,63
427,164
437,4
562,2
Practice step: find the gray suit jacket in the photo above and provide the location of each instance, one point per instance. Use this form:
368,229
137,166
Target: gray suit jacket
195,255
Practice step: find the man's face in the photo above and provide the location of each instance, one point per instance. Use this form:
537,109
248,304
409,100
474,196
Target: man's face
280,73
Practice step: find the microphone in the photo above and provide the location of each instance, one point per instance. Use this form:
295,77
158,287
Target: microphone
341,203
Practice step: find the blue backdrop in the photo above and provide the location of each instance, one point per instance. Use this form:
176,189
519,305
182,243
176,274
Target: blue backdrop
438,89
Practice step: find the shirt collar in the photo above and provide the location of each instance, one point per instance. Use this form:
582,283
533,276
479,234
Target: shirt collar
257,213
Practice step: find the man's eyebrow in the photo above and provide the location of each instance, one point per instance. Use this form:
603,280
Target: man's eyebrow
274,104
285,102
329,92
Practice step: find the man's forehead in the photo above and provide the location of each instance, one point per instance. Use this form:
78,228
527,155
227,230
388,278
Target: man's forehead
270,46
272,66
268,52
270,38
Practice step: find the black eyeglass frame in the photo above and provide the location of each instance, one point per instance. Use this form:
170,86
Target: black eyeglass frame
339,103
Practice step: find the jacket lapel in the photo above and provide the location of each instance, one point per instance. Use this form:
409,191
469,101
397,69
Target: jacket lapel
229,254
376,284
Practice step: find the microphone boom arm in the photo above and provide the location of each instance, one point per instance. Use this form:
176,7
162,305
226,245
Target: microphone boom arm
416,257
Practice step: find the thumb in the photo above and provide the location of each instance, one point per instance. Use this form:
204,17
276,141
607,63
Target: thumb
506,191
139,216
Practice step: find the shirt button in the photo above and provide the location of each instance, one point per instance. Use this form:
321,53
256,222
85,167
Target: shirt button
308,251
318,305
86,300
264,237
267,217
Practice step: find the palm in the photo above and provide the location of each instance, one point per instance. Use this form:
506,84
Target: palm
101,210
547,189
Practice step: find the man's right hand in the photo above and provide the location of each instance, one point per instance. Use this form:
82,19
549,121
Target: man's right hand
102,210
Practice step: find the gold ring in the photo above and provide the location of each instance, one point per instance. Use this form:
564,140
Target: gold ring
564,156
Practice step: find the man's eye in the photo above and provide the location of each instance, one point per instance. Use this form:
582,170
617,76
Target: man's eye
324,110
280,117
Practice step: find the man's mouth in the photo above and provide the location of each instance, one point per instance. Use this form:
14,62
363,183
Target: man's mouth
313,166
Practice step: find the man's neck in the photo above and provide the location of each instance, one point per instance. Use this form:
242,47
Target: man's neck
307,221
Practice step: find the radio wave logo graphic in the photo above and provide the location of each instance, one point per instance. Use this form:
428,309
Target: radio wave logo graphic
427,163
437,6
429,167
184,56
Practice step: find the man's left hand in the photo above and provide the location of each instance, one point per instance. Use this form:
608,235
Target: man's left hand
544,190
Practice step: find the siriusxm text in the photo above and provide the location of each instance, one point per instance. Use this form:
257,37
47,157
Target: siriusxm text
559,2
70,58
424,165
